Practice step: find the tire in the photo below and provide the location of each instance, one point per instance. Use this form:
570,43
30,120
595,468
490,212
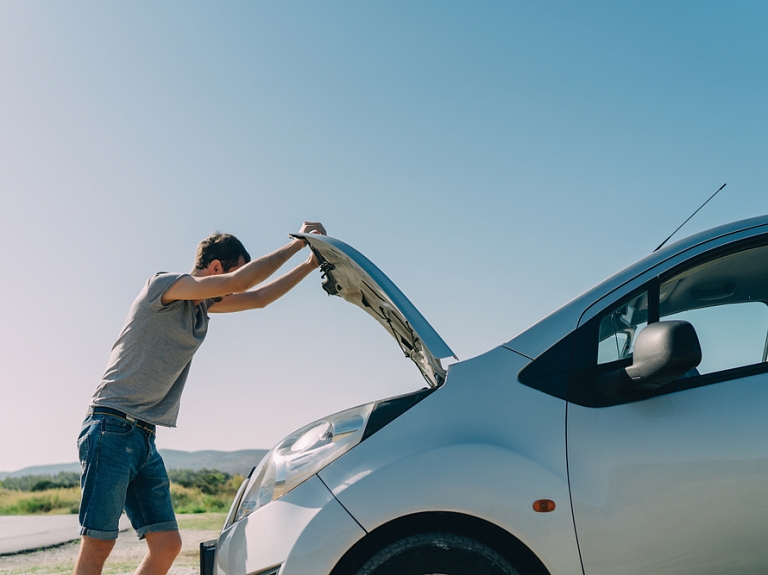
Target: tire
437,554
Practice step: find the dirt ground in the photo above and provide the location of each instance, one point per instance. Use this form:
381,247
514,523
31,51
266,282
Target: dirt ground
127,554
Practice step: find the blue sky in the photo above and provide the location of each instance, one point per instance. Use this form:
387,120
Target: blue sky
495,159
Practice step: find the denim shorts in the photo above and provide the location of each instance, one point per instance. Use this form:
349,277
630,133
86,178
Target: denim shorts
121,469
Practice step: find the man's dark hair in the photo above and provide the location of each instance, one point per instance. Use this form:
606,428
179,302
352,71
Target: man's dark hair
223,247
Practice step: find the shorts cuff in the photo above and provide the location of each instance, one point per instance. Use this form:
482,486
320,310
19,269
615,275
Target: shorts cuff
156,528
95,534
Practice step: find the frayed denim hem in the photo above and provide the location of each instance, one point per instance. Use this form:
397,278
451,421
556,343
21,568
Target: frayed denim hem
156,528
95,534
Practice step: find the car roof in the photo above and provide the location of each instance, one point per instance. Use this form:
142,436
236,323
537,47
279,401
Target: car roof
543,334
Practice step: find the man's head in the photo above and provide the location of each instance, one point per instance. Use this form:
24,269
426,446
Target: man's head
225,248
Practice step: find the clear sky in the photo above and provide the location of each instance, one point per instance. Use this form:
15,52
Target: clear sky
494,159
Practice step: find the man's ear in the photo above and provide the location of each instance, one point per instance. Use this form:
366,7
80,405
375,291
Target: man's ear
215,268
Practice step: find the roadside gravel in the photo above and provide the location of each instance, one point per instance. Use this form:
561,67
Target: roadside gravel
127,554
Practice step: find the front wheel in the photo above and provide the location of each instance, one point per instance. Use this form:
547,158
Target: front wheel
437,554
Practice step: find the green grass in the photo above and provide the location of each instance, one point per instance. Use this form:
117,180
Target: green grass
202,522
55,569
45,569
186,500
110,568
193,500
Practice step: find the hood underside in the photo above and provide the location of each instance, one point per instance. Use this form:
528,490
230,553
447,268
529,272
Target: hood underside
350,275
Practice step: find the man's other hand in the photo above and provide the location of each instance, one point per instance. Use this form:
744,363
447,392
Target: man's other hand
313,228
312,261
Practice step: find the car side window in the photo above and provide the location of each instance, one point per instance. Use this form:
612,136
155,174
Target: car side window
620,327
732,335
723,295
725,301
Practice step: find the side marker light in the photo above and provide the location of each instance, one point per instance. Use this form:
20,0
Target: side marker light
543,506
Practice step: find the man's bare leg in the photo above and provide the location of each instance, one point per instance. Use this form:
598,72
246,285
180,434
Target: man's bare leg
93,554
163,547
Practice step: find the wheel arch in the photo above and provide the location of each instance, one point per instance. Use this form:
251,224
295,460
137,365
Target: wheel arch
498,539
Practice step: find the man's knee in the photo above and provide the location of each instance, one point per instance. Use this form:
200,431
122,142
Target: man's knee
93,554
166,544
97,547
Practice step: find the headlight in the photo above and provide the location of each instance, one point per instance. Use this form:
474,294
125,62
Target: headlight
300,455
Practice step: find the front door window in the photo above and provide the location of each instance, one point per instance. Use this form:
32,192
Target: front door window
725,301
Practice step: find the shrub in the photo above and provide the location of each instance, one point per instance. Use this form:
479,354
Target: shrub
16,502
209,481
207,490
206,496
63,479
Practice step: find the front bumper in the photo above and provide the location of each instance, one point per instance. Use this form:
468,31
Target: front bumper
305,532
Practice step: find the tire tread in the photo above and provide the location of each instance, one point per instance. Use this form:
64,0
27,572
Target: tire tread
448,541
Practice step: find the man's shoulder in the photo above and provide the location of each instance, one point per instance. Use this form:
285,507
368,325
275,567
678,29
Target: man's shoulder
157,285
162,275
165,278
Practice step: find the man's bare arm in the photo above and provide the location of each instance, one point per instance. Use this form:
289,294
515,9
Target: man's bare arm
266,294
220,284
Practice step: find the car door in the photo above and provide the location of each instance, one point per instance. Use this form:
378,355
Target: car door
675,480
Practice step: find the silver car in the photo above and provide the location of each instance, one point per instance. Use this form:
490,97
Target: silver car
624,434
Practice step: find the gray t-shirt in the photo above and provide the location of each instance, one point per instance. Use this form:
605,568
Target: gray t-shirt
150,360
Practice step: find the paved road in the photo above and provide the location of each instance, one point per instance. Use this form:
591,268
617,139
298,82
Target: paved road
25,532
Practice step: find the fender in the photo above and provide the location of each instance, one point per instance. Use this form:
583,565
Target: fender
493,433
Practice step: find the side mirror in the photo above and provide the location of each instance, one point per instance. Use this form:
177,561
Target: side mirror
664,351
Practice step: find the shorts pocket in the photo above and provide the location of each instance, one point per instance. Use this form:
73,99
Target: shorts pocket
115,426
83,450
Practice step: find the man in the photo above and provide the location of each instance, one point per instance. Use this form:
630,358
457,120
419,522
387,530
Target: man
142,385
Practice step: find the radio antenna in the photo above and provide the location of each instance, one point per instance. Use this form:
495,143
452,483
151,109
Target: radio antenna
689,217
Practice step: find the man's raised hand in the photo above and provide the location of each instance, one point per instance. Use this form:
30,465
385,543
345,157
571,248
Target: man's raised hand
313,228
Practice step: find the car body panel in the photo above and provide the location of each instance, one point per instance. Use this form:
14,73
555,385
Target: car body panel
482,445
306,531
673,484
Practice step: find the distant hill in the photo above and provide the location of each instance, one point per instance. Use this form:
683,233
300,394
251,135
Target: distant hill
228,461
42,470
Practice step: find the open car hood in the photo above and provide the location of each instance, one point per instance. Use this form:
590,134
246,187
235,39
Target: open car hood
349,274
